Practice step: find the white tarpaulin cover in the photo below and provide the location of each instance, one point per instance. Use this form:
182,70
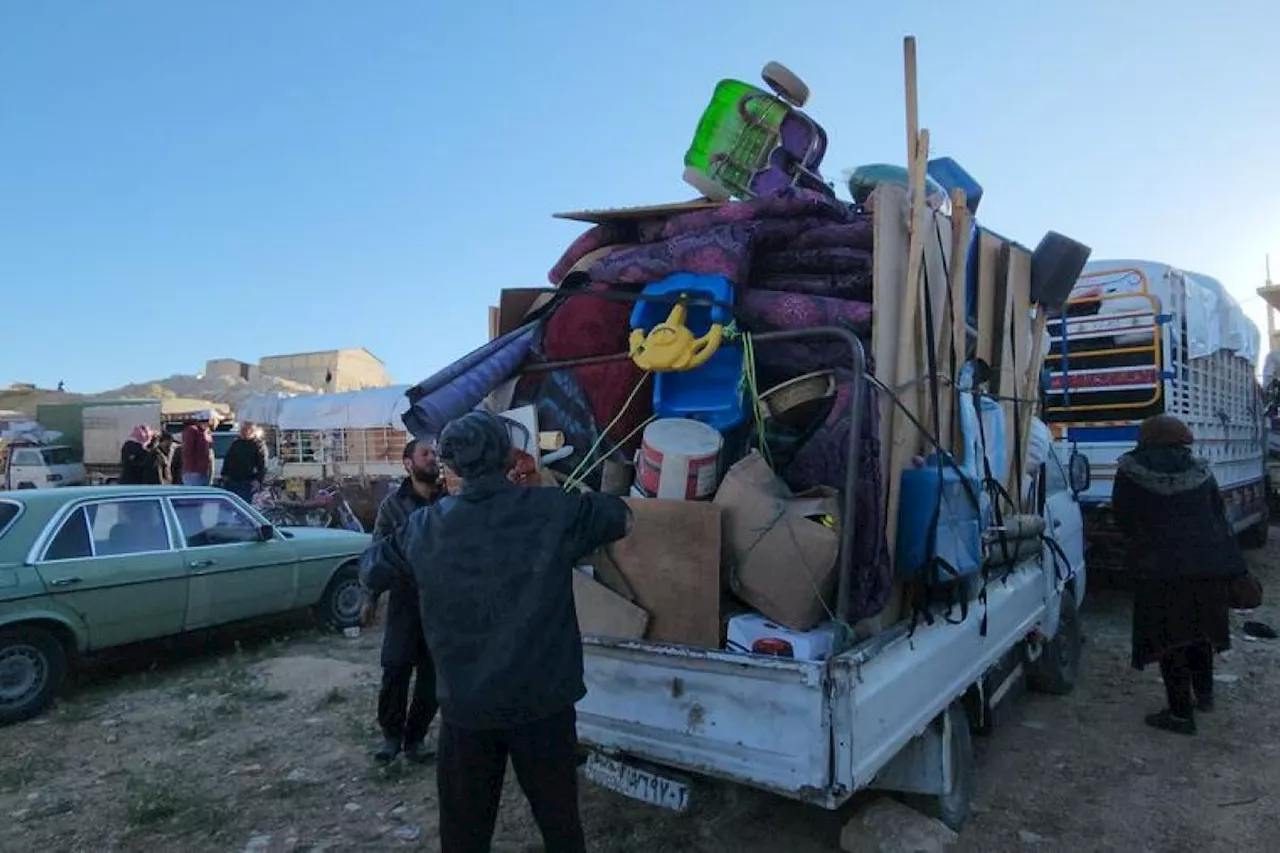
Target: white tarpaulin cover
261,409
1214,319
367,409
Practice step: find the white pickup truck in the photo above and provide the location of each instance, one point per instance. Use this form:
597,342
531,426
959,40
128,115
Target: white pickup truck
893,712
30,465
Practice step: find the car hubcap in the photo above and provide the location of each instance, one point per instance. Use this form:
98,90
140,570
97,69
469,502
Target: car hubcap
23,673
348,600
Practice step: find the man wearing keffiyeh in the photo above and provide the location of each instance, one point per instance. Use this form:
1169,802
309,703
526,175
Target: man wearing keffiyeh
493,566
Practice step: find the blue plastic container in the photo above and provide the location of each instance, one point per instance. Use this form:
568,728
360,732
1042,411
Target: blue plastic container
952,176
958,537
713,391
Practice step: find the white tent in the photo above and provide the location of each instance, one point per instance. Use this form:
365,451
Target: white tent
371,408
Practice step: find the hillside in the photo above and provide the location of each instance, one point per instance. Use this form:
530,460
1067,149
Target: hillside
218,389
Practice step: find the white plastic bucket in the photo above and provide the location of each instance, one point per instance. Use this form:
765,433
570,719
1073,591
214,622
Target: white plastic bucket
679,459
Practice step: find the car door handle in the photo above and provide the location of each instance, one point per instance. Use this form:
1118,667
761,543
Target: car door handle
66,581
201,564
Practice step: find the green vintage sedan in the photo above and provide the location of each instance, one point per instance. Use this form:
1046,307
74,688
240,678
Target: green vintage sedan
84,569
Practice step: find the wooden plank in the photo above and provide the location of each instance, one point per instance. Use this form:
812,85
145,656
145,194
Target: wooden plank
989,320
957,316
598,216
1014,370
494,321
1001,352
912,97
937,240
889,282
911,322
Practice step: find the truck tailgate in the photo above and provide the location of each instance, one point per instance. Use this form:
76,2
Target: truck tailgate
760,721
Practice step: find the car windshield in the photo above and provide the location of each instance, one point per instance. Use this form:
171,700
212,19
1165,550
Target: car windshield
58,456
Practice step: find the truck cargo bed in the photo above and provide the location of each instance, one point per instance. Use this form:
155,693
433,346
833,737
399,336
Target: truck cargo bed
811,731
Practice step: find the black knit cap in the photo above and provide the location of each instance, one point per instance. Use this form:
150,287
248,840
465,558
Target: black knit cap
1164,431
476,444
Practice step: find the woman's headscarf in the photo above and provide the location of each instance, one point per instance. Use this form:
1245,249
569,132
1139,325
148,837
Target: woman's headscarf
1164,431
141,434
476,445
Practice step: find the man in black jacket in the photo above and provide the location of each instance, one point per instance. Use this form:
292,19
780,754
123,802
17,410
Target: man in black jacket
245,465
494,568
404,720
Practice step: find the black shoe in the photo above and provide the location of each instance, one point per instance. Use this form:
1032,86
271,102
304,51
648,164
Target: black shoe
1204,704
1167,721
387,752
419,753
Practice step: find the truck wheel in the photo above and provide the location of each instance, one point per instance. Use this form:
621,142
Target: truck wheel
952,807
1056,670
33,665
339,607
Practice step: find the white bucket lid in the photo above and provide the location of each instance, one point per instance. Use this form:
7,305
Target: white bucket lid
683,436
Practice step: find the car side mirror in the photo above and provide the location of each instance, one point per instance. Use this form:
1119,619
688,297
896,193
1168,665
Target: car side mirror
1078,472
266,532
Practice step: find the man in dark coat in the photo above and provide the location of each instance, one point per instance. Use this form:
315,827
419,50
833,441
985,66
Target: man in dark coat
494,568
245,465
1183,555
404,719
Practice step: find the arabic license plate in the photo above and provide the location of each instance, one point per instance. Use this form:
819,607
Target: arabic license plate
642,785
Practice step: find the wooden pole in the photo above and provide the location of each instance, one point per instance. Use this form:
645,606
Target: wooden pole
909,332
913,105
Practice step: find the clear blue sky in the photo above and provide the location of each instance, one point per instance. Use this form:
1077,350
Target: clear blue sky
186,180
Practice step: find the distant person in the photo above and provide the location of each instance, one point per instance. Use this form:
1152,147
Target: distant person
244,468
137,457
1183,555
405,721
62,386
175,465
161,473
494,568
197,450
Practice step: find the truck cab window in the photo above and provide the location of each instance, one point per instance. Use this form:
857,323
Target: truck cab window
28,457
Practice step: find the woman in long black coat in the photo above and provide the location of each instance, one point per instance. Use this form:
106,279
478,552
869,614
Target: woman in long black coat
1183,555
138,457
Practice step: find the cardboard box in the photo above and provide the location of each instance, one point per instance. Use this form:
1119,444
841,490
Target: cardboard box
779,561
671,563
603,612
514,304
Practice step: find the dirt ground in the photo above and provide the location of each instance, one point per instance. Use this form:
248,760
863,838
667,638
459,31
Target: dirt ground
257,740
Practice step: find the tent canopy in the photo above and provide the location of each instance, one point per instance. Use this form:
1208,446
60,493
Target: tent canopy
368,409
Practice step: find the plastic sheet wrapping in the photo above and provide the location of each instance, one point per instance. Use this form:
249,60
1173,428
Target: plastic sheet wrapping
1214,320
367,409
261,409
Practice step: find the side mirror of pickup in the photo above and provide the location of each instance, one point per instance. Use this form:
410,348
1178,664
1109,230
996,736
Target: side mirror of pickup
266,532
1078,472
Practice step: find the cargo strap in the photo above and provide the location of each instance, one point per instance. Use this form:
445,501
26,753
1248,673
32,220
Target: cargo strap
1061,563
